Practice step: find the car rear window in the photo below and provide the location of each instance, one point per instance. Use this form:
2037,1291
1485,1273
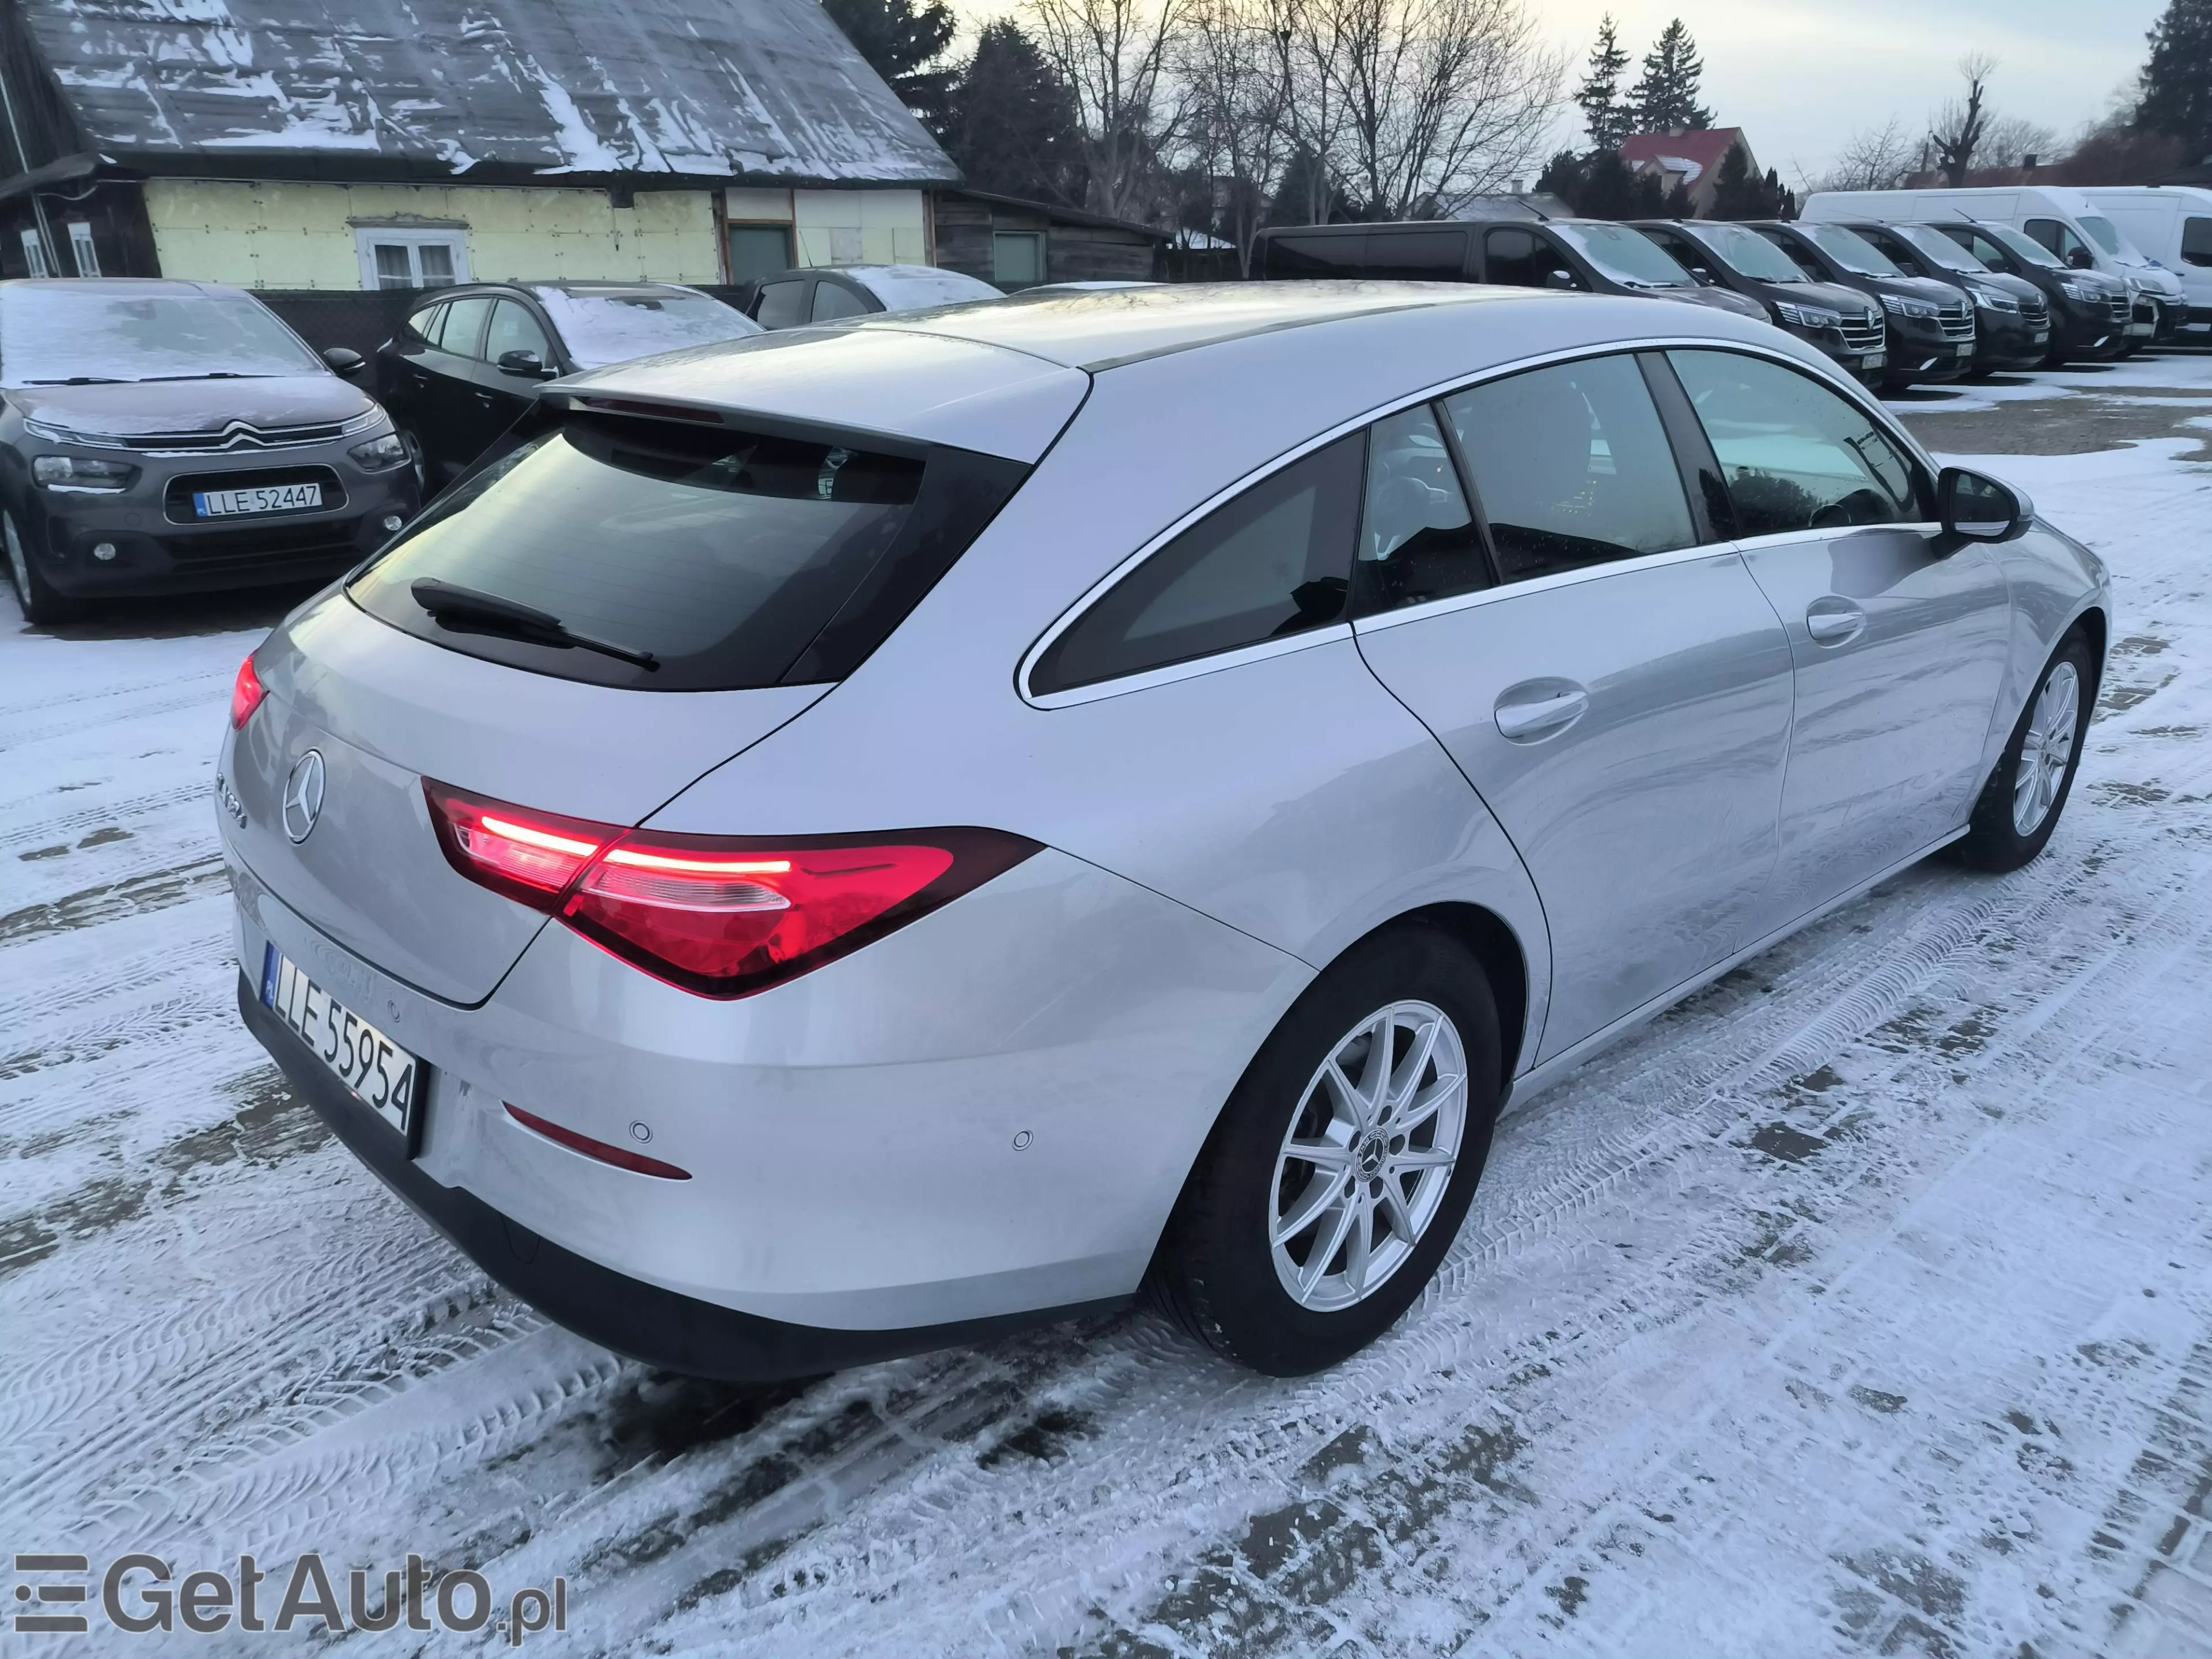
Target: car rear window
732,558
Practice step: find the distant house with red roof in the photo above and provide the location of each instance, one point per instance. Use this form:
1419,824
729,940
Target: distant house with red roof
1691,158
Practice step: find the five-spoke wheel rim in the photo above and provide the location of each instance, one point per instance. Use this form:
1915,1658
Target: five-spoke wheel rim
2046,749
1369,1156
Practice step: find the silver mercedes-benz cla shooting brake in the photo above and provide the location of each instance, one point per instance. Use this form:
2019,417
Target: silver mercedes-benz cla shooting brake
862,838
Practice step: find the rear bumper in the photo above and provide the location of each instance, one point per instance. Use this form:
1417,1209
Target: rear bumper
640,1320
978,1121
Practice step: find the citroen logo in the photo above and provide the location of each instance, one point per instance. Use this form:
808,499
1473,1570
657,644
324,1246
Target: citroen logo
303,795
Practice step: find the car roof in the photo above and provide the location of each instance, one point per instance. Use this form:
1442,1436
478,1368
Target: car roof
1005,377
1105,328
155,285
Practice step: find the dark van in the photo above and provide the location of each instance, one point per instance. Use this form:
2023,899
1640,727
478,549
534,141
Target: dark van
1932,324
2012,319
1842,321
2089,311
1592,256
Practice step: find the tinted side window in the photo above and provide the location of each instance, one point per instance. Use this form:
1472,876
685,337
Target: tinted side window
1983,248
781,304
1316,256
1275,560
833,300
465,326
1436,256
1572,467
1795,455
1521,258
2057,237
425,323
513,329
2196,241
1417,540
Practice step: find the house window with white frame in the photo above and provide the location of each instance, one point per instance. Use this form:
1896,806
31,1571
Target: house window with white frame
35,253
81,250
404,258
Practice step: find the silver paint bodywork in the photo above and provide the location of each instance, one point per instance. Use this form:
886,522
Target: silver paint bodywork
1689,775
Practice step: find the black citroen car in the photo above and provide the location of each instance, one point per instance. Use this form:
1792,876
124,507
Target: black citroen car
1588,255
161,436
467,361
2012,319
1842,321
2090,310
1932,324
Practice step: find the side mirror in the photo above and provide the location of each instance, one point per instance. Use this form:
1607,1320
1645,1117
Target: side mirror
344,360
526,364
1978,508
1703,275
1560,279
2081,259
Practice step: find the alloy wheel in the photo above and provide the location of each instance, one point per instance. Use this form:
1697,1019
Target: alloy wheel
1369,1156
2046,747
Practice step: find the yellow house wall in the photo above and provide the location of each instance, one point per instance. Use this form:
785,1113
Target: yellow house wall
843,227
284,235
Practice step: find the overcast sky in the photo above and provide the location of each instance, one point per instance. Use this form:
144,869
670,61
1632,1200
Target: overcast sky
1801,76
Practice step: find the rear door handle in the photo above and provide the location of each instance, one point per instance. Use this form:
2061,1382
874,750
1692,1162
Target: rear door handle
1831,621
1536,710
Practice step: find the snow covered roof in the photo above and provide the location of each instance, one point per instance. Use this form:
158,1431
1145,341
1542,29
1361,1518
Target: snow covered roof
766,89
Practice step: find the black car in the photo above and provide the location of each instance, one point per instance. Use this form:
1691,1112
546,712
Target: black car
2012,319
165,436
1591,255
1932,324
829,294
468,360
2090,310
1839,320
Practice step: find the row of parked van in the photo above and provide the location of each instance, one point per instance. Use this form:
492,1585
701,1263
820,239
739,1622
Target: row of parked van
1899,286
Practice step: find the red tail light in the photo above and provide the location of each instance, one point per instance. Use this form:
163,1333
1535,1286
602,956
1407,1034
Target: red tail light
721,916
621,1157
246,692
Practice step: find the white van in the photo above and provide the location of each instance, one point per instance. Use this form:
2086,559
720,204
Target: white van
2172,224
2064,220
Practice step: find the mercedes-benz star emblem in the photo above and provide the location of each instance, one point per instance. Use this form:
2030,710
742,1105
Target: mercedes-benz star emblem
303,795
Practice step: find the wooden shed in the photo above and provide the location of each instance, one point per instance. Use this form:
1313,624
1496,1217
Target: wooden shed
1017,244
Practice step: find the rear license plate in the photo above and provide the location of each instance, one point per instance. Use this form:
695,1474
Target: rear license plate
260,498
381,1075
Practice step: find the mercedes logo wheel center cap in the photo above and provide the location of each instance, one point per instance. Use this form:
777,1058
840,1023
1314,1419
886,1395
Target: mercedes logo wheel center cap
303,795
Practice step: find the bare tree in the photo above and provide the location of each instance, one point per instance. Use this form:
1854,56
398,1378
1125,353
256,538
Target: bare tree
1311,43
1873,158
2010,140
1232,109
1443,99
1112,54
1958,128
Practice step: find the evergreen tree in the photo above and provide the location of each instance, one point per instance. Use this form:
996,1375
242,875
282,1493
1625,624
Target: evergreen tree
1740,193
1308,194
2177,83
1011,126
1666,96
1603,111
901,39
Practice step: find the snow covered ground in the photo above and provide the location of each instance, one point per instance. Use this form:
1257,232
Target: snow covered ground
1861,1305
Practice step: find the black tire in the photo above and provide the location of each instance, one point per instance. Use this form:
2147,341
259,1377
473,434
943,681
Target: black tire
36,597
1994,840
1215,1272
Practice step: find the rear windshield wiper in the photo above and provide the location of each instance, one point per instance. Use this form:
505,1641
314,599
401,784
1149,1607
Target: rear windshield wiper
448,604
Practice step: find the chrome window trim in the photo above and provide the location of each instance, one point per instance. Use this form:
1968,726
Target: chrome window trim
1557,579
1824,372
1167,673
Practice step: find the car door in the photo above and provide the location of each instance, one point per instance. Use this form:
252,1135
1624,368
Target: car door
1900,633
403,367
1522,258
1609,678
448,398
502,397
